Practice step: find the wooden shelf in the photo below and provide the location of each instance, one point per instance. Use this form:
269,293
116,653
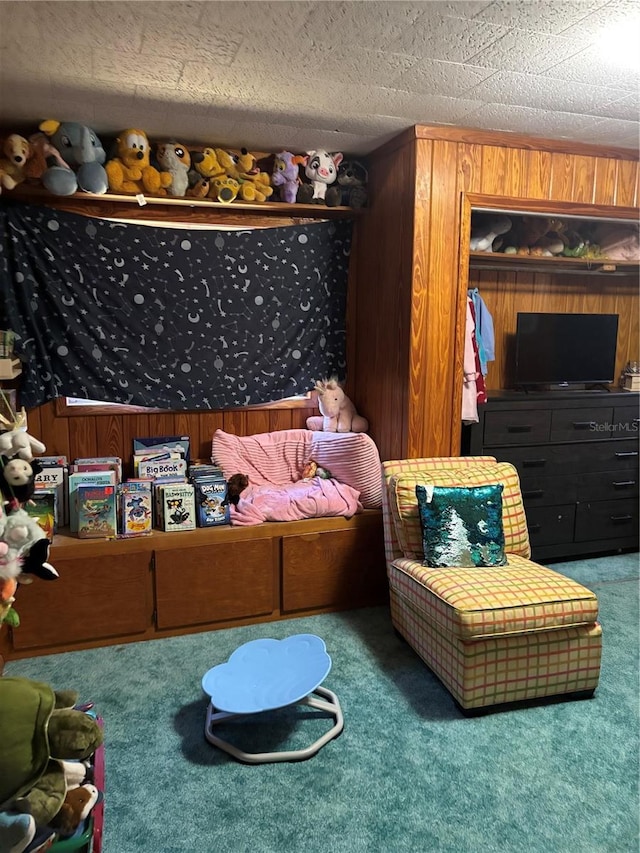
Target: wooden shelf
529,263
92,204
10,368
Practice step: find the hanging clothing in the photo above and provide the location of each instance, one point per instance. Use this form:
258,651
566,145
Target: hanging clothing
469,387
484,333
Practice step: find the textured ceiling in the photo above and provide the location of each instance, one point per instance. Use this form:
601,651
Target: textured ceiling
346,76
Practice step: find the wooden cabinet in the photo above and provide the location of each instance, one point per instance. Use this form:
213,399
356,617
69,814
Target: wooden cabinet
332,569
96,597
412,269
173,583
208,584
577,456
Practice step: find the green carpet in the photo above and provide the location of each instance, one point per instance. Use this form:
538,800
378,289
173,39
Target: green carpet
409,773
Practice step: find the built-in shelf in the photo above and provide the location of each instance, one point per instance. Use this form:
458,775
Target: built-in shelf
10,368
39,195
533,263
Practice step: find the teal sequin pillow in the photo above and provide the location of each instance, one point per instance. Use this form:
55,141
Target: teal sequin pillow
462,525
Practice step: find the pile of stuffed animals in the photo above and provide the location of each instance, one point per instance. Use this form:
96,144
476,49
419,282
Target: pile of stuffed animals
47,777
24,546
46,789
542,236
65,157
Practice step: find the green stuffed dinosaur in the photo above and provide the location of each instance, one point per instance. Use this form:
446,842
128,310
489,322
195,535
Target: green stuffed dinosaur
40,729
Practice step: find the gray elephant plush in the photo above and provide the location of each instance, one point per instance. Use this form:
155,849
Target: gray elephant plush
80,147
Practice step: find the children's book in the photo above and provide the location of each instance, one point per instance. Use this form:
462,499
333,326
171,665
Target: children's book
98,461
176,509
135,508
42,507
210,506
162,444
102,478
163,468
96,506
55,477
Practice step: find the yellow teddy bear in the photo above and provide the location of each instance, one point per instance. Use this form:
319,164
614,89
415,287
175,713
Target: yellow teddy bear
131,171
219,185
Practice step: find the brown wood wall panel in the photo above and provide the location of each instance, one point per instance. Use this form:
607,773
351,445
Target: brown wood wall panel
470,165
538,183
605,184
562,168
494,170
627,184
584,179
383,290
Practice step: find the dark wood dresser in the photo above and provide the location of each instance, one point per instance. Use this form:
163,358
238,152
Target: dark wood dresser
577,455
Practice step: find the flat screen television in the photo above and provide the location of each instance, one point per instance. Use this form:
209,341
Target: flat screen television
565,349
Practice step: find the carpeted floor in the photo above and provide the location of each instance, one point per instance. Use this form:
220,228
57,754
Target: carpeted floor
409,773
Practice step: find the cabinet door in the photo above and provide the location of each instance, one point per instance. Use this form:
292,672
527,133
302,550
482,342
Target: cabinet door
216,582
342,568
94,598
626,421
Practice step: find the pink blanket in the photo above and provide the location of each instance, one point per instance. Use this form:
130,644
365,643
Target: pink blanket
293,502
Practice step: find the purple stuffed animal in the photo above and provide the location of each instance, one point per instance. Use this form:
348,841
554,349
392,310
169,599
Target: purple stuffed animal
285,175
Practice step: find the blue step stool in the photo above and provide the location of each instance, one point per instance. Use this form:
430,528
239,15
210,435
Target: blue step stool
267,674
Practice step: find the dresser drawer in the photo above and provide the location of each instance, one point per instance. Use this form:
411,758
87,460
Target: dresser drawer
551,525
548,491
588,424
516,427
556,459
607,519
608,485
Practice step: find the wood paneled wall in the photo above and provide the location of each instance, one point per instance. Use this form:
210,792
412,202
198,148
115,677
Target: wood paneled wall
413,271
77,435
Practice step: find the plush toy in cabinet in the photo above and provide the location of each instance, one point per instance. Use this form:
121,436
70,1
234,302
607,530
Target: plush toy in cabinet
81,149
485,231
174,158
206,167
15,154
130,171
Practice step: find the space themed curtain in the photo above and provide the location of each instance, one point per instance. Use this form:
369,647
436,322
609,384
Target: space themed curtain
171,318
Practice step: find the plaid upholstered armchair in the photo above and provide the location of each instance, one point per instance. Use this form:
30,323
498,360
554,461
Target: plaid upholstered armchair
493,634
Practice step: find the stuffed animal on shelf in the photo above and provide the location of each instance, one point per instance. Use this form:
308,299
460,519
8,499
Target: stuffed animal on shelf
312,469
17,442
236,484
207,171
485,230
80,148
43,155
131,170
338,412
242,166
286,175
17,478
15,154
321,168
352,180
175,159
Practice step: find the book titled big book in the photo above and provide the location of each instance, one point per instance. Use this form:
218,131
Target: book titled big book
176,507
96,506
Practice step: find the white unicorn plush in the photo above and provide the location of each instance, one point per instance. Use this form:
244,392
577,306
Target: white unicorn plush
338,412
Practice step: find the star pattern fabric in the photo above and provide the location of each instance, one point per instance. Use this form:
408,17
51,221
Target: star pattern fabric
170,317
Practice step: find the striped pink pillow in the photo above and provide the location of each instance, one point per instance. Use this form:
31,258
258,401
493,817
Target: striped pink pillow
352,458
275,458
